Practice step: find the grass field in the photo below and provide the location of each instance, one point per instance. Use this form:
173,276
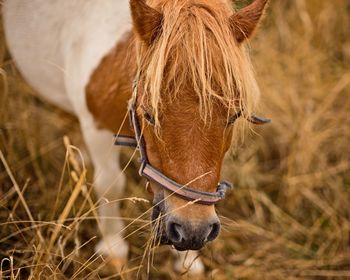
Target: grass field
289,216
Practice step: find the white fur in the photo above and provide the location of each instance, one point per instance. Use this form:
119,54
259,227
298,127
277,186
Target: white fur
56,45
188,261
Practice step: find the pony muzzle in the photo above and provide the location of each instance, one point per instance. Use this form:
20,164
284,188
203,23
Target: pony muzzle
185,235
187,228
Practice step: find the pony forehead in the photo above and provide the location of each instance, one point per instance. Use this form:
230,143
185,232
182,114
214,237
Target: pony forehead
215,4
184,9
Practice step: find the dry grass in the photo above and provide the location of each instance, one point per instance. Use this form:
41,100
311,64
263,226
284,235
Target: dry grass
288,218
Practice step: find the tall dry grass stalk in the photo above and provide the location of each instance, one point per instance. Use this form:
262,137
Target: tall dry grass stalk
288,218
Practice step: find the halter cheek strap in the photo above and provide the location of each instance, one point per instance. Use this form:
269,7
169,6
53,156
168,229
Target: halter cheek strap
153,174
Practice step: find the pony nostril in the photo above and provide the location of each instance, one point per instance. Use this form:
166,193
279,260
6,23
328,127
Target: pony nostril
213,231
175,232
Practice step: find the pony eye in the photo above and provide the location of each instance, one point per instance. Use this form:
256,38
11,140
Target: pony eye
232,119
149,118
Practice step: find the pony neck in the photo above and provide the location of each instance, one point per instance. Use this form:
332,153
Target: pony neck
110,87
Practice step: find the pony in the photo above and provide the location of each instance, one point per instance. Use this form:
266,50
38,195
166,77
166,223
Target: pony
193,78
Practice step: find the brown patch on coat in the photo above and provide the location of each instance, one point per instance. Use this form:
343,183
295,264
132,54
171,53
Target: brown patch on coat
110,87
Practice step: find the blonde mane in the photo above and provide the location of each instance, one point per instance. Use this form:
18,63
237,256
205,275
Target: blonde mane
197,50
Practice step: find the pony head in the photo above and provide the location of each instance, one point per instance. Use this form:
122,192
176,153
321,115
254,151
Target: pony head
194,75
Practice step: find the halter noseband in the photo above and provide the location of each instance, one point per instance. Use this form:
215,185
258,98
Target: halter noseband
153,174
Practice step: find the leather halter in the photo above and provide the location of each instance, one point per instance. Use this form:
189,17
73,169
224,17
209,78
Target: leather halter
153,174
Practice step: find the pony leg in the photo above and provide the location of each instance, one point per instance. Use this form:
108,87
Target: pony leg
109,185
188,261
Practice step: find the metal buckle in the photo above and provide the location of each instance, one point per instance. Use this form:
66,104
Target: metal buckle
223,187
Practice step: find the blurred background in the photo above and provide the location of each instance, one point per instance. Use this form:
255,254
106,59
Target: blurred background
289,215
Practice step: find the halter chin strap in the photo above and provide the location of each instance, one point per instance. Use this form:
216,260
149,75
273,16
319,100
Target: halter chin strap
153,174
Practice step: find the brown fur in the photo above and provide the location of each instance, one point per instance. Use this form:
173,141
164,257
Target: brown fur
197,49
193,75
245,21
147,21
110,87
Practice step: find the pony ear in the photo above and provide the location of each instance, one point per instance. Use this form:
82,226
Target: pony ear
147,21
245,21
